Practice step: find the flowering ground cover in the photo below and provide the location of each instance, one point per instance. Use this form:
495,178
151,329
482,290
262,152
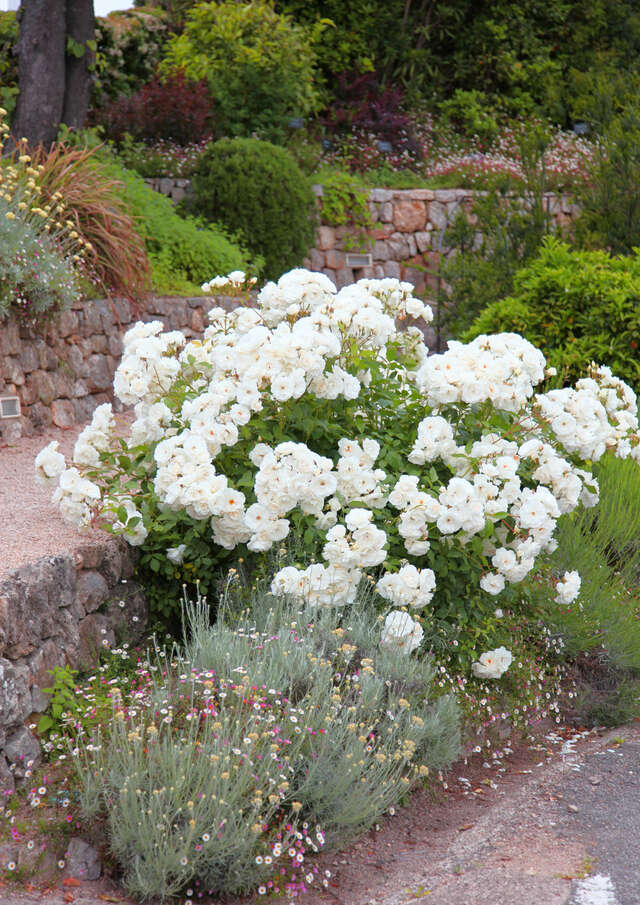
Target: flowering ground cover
403,522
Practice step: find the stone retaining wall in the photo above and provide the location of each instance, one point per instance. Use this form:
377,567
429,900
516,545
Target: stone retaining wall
408,236
58,610
61,374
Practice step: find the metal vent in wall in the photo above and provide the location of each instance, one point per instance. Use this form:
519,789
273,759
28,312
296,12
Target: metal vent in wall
9,407
354,260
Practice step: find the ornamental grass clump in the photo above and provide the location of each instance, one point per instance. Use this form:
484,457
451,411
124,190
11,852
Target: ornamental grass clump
231,760
440,479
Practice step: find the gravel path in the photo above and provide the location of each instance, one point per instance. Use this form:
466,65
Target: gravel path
30,526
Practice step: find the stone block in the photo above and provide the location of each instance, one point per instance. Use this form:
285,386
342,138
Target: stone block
90,320
7,785
15,695
67,323
96,634
13,372
178,314
83,861
398,247
115,345
409,216
344,276
22,749
437,215
316,259
63,413
75,360
445,196
92,591
391,269
63,382
325,238
79,389
98,375
413,247
381,195
84,408
28,359
44,387
335,259
128,612
328,272
386,212
10,343
381,251
99,343
422,194
197,321
40,415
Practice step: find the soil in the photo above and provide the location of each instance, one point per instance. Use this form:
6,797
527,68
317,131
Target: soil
30,525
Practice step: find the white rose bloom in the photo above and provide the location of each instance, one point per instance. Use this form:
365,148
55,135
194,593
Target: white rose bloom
49,465
492,583
568,588
401,633
492,664
176,554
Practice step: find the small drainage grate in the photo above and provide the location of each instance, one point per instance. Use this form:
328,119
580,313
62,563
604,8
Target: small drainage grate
354,260
9,407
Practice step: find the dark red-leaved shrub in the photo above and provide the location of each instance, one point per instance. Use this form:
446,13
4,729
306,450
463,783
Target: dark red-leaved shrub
361,104
173,108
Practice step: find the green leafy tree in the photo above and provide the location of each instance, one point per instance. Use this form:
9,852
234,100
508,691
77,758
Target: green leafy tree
259,65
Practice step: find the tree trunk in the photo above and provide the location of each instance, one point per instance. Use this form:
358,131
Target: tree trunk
41,70
81,24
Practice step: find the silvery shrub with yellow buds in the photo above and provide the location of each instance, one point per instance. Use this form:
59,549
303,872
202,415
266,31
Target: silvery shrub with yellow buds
318,418
40,250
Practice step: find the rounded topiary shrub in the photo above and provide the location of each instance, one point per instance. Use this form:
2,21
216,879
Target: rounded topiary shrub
257,189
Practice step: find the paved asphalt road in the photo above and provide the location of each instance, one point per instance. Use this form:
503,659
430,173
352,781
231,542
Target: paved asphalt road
606,792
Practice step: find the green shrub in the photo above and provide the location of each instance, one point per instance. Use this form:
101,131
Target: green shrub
285,726
578,307
610,204
183,252
509,221
603,545
258,65
345,203
256,189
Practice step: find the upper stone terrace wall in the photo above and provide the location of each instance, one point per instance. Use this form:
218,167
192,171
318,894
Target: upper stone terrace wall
408,236
63,372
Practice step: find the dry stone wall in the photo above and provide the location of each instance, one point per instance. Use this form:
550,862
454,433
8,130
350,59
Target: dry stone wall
61,610
408,236
63,371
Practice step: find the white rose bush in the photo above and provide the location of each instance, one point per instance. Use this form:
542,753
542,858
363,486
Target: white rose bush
318,422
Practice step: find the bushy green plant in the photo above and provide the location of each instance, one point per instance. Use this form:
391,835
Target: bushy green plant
257,63
578,306
604,546
346,203
183,252
8,61
129,46
274,722
610,207
316,417
469,113
503,229
256,189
